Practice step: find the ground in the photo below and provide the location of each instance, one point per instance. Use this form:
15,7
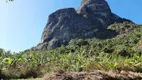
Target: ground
96,75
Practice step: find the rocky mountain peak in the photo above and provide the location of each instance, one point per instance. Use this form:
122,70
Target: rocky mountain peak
94,7
90,20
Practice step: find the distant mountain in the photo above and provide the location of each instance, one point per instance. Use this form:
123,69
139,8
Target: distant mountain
90,20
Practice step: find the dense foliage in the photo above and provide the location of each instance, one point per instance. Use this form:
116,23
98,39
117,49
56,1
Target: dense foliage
123,52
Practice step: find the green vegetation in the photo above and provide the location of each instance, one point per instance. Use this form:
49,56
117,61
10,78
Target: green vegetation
123,52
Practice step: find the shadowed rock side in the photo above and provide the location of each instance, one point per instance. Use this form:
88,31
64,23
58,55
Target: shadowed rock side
90,20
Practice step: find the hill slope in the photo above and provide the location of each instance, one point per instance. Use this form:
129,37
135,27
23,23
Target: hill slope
121,53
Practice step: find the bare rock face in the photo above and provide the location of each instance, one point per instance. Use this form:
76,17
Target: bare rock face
90,20
64,25
99,13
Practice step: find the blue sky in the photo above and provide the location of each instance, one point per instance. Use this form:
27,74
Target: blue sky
22,21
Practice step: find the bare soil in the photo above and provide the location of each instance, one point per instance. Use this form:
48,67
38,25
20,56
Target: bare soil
95,75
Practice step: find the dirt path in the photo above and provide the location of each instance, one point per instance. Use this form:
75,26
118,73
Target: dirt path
96,75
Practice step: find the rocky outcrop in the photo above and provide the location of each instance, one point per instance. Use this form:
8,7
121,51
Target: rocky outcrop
90,20
63,25
99,13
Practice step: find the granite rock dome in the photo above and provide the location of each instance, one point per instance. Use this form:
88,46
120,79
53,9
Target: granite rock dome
90,20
